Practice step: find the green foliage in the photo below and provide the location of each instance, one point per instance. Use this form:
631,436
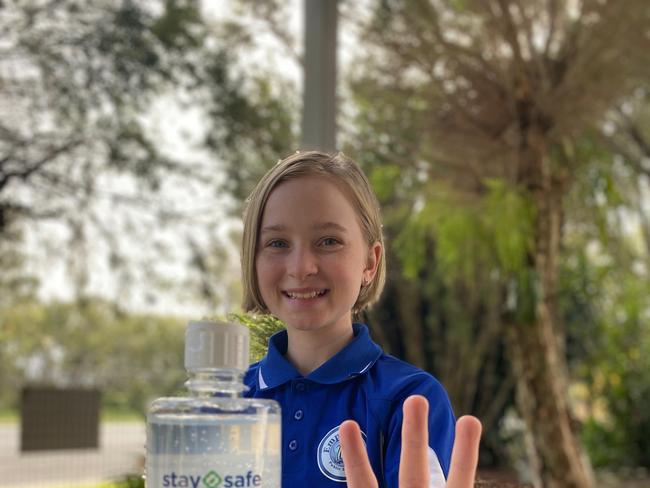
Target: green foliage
606,309
131,358
494,231
15,284
605,285
383,178
458,5
131,481
253,123
510,218
626,386
599,191
180,25
262,327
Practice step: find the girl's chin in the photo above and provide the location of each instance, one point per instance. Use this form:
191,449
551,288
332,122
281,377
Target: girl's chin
302,329
302,324
313,324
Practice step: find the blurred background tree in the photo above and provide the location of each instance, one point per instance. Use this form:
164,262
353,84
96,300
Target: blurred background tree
79,138
76,78
492,99
78,147
476,122
605,284
132,358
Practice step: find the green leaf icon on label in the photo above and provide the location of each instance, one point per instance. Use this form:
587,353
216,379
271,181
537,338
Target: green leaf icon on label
212,480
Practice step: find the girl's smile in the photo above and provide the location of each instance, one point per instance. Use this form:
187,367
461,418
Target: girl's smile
311,255
305,293
304,298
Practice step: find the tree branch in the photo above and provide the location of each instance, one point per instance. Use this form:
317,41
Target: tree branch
552,12
510,32
24,174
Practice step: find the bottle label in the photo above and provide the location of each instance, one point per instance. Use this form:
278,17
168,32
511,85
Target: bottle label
168,471
227,454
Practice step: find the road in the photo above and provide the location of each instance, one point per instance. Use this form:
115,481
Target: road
121,452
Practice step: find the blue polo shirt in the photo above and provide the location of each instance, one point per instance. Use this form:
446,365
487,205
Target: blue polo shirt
361,383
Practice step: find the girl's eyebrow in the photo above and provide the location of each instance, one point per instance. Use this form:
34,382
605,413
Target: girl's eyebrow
330,225
319,226
273,228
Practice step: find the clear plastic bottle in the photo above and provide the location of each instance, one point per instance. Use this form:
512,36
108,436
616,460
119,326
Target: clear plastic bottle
214,438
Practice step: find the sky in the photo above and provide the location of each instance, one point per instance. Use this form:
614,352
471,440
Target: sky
152,281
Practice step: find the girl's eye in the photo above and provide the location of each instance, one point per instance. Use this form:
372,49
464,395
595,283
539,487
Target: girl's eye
277,243
329,241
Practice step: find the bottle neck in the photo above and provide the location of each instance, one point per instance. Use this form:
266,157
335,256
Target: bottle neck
216,383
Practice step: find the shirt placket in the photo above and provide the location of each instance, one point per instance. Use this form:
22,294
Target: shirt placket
294,437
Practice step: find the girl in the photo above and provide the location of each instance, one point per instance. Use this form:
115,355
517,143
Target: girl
313,256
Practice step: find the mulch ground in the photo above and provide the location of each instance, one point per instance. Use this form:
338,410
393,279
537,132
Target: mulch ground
498,479
639,478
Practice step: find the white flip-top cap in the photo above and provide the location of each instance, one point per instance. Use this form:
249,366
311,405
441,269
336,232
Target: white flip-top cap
212,344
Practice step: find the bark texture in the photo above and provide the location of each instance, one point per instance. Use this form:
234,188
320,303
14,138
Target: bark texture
537,349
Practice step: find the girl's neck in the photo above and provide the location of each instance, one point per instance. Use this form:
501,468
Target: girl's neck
307,350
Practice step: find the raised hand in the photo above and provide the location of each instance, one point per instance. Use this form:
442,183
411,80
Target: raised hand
414,468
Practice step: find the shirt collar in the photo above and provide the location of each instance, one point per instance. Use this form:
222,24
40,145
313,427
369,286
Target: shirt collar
354,359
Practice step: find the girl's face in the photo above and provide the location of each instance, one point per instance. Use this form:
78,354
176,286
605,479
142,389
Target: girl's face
311,255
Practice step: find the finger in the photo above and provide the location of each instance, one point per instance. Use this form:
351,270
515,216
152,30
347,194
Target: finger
358,472
464,456
413,464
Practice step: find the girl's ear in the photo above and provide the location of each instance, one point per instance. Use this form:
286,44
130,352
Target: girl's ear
372,264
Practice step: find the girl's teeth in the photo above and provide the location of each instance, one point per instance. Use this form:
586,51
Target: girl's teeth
304,296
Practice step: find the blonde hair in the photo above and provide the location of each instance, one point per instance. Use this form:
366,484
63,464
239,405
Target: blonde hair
341,170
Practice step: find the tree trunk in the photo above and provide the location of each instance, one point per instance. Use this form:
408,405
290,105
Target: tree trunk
537,350
553,450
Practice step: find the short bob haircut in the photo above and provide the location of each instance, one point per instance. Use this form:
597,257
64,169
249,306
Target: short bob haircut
342,171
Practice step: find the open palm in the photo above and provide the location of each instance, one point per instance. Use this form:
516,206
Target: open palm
414,467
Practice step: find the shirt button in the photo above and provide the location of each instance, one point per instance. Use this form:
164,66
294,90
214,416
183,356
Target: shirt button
293,445
297,415
300,387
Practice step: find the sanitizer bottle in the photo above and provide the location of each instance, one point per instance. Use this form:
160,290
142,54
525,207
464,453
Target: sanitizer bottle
214,438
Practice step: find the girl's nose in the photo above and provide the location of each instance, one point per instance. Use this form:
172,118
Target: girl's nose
302,264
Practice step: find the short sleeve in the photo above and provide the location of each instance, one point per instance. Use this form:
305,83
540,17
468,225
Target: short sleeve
441,430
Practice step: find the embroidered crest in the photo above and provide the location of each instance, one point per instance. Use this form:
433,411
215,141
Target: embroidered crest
330,459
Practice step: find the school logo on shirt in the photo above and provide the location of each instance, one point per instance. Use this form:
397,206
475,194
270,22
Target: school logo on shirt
330,460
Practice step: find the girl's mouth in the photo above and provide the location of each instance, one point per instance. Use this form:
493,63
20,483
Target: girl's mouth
295,295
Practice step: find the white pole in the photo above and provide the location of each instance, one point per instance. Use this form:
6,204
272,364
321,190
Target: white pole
319,95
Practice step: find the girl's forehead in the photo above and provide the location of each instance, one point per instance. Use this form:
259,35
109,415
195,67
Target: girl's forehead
307,187
319,180
321,200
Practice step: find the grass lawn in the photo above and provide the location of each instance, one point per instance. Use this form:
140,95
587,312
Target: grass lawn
85,485
121,416
8,416
107,484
